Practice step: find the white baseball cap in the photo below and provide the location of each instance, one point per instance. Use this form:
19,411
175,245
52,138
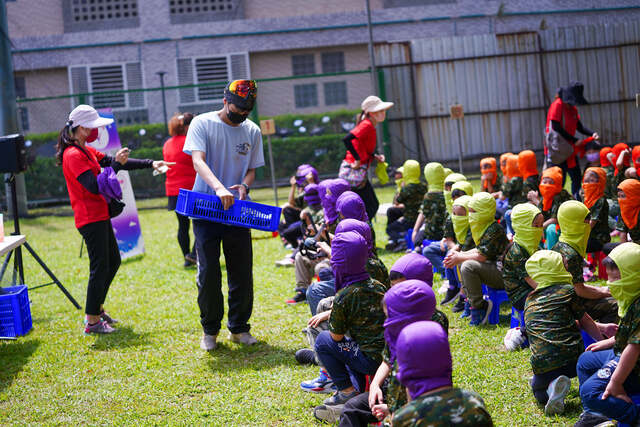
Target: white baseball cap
372,104
87,116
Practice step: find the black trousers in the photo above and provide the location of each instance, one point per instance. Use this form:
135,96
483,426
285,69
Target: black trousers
540,382
356,412
576,177
104,261
369,198
290,215
292,233
393,213
238,255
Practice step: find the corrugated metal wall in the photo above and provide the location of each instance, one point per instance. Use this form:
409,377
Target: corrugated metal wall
506,84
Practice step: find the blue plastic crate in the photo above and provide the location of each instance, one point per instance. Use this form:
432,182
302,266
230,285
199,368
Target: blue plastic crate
242,214
15,311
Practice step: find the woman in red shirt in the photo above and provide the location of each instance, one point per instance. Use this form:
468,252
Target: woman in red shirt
81,165
181,175
563,118
361,150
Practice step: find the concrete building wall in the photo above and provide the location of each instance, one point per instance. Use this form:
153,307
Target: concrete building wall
257,9
46,116
33,18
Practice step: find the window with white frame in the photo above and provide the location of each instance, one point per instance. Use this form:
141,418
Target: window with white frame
333,62
111,80
305,95
303,64
210,75
335,93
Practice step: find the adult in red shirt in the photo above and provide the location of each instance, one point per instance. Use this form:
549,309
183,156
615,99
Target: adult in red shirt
361,149
81,165
181,175
563,118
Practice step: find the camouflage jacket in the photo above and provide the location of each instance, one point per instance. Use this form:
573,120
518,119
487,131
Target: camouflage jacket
574,261
550,316
450,234
448,229
600,214
629,331
316,215
514,191
444,408
514,273
377,271
357,310
435,213
634,232
610,191
559,199
411,197
493,242
531,184
396,396
299,202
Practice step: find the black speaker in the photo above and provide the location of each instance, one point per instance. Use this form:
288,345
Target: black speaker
13,155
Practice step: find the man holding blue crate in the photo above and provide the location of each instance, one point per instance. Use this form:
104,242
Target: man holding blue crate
226,149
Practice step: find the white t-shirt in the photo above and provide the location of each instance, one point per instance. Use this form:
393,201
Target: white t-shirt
230,150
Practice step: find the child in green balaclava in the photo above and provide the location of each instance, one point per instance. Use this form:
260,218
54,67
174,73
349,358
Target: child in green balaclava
410,196
550,315
574,218
433,205
609,369
479,265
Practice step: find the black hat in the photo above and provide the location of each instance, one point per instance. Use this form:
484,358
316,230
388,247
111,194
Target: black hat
573,94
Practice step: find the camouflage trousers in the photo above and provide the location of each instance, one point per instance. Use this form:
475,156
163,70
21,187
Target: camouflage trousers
603,310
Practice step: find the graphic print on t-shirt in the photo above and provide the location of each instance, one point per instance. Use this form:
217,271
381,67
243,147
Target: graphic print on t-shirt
243,148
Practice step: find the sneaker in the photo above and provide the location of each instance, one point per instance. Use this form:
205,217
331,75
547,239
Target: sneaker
330,414
514,339
459,305
190,258
101,327
208,342
588,419
321,384
466,310
557,391
450,296
340,398
390,245
479,316
306,356
285,262
300,296
106,318
243,338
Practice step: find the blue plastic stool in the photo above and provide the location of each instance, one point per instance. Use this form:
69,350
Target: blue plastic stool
635,398
586,338
408,239
497,297
517,320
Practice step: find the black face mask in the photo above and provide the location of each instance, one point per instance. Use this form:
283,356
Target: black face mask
234,117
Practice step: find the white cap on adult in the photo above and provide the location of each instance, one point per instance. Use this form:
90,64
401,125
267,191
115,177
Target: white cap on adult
373,104
87,116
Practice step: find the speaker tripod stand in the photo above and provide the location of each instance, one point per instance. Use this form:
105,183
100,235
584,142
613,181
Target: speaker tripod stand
18,267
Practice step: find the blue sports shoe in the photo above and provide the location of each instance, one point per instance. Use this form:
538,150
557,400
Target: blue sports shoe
322,384
466,312
479,316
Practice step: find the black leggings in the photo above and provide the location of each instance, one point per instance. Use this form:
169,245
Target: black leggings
183,234
104,261
576,177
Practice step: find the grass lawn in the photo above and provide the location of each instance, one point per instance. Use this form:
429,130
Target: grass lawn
152,370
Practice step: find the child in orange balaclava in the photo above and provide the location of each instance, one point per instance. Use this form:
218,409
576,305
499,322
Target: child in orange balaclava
489,172
529,167
551,196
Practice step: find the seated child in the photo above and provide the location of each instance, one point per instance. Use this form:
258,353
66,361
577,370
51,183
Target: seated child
289,227
406,302
433,210
594,183
357,310
574,219
434,400
550,315
459,239
512,190
605,163
489,177
527,223
529,168
609,370
479,265
411,197
449,180
351,205
592,154
397,209
629,200
553,195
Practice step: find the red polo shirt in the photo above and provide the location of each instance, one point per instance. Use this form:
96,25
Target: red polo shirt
87,207
364,142
182,174
568,116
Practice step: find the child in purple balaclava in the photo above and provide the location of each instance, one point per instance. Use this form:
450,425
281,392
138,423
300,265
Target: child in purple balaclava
434,400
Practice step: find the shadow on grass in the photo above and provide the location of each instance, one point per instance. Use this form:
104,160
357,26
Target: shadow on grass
13,356
124,337
228,356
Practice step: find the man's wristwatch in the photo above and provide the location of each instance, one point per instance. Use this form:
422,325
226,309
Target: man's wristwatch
246,187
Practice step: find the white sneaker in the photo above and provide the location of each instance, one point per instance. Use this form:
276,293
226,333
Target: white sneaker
330,414
557,391
514,339
444,287
243,338
285,262
208,342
